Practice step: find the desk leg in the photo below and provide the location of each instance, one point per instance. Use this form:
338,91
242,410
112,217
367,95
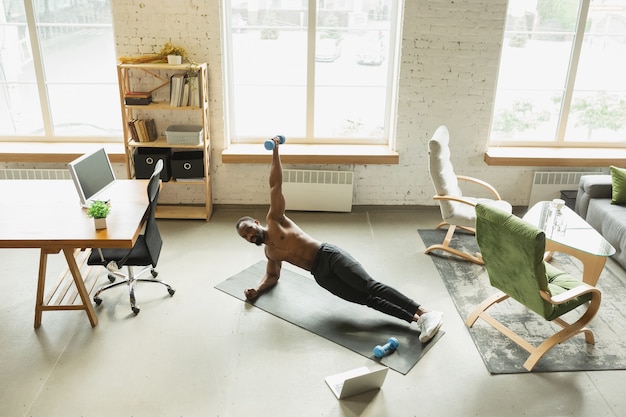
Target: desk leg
41,284
80,286
592,264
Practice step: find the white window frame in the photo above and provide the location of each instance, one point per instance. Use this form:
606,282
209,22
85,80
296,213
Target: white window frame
48,134
393,62
568,94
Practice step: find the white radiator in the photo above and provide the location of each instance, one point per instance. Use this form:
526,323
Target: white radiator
311,190
35,174
548,185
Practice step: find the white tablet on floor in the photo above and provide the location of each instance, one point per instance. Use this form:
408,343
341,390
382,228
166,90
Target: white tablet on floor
356,381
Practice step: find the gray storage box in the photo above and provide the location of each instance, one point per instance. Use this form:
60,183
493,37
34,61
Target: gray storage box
184,134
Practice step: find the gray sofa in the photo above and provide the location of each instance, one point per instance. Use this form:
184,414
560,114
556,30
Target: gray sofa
593,203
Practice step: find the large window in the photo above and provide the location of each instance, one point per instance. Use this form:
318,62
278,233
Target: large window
562,75
315,71
57,71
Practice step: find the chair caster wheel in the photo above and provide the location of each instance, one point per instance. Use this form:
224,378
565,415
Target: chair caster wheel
111,278
97,300
136,310
171,291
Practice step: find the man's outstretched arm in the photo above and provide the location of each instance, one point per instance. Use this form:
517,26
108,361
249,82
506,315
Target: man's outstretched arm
269,280
277,199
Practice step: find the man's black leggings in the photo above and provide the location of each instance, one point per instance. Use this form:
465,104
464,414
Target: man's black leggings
338,272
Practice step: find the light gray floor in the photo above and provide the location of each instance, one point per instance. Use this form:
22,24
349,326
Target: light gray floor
204,353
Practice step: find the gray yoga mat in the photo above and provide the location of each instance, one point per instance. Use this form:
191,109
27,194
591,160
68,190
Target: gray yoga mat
300,301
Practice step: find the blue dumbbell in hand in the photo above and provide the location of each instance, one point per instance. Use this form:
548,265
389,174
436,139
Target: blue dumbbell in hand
269,144
391,345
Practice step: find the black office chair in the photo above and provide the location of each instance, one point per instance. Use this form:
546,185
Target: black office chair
145,252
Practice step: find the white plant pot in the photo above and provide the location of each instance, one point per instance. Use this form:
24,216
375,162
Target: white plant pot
174,59
100,223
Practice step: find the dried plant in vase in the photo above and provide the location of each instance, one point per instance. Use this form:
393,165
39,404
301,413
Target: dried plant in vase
168,49
174,54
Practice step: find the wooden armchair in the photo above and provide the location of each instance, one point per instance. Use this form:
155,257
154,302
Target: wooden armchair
513,252
457,210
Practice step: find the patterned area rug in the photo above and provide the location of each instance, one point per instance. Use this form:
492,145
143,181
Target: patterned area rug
468,285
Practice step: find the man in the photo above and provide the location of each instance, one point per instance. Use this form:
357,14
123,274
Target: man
332,268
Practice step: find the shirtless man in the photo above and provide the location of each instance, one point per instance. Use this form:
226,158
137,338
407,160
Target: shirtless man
332,268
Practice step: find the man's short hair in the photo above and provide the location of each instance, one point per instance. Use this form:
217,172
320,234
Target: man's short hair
243,219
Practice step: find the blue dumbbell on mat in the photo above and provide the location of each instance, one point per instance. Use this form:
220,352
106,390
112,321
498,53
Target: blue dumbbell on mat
269,144
391,345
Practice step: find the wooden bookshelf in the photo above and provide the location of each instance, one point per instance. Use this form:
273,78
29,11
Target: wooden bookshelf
135,77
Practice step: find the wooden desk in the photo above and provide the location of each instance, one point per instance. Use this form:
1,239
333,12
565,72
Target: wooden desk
46,214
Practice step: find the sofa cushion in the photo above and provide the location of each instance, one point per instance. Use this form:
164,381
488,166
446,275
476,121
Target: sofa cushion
618,181
610,221
592,186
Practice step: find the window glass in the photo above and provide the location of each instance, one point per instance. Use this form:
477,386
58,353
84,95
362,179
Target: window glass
269,61
561,73
63,83
315,71
598,111
20,110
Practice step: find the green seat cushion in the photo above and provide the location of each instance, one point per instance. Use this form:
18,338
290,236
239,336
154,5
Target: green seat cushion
558,283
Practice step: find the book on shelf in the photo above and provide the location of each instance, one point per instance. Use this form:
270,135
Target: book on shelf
177,85
184,101
185,90
195,95
137,98
152,130
133,130
142,130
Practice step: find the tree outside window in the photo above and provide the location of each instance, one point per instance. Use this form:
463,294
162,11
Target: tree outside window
561,76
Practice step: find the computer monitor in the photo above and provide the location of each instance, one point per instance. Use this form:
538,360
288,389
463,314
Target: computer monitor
92,173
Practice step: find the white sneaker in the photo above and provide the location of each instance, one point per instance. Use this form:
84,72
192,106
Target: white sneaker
429,324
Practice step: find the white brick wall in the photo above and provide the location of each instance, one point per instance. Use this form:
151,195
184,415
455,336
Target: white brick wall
449,62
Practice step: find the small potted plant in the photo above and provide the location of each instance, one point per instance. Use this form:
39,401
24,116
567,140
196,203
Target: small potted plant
174,54
99,210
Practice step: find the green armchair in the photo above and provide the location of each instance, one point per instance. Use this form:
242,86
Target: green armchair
513,252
